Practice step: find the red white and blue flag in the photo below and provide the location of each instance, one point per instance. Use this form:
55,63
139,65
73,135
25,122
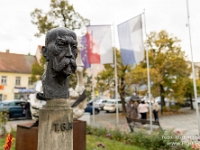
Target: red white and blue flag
99,45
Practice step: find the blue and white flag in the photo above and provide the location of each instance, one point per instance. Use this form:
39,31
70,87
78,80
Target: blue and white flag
131,41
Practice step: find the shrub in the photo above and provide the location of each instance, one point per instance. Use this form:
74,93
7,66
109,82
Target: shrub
3,121
159,139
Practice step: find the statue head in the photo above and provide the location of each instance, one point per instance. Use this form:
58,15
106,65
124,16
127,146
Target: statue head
60,51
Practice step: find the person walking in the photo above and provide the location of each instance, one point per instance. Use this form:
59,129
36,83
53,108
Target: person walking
27,110
155,110
128,109
143,109
134,109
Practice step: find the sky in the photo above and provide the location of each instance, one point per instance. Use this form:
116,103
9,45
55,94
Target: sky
17,31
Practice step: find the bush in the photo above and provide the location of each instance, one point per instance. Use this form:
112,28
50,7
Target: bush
157,140
3,121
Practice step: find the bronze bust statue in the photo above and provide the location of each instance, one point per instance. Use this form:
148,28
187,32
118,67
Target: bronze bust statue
60,51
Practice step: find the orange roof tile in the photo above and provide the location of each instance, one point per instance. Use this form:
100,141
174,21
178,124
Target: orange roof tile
18,63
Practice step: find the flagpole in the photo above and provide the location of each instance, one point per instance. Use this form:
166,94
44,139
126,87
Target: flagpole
193,71
148,75
92,70
115,55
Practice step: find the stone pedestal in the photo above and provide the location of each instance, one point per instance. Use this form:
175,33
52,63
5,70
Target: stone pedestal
56,126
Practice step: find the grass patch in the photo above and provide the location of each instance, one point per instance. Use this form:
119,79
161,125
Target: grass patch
95,142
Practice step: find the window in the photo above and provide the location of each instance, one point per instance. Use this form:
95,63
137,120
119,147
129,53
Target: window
3,80
17,80
29,81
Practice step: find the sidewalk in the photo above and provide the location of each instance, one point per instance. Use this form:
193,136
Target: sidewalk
185,121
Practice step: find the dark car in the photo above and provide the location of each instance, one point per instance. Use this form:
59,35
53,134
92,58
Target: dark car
14,108
89,109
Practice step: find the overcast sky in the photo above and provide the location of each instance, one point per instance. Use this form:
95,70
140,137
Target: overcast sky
17,31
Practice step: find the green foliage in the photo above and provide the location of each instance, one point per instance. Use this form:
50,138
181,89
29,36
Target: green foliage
61,13
3,121
106,80
38,69
157,140
168,67
173,108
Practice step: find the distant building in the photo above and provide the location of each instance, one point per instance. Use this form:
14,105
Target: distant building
15,73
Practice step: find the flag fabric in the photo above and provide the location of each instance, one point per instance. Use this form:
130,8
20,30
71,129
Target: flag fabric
131,41
84,52
99,44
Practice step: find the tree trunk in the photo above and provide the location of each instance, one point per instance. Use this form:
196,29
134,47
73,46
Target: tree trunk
162,97
191,104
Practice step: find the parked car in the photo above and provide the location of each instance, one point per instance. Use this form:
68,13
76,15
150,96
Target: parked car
110,105
89,109
100,103
90,102
194,102
134,97
14,108
168,102
146,99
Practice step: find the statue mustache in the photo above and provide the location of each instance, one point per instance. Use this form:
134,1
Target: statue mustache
64,63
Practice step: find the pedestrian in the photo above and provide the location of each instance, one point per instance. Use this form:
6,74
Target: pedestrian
27,110
134,108
128,109
143,109
129,106
155,110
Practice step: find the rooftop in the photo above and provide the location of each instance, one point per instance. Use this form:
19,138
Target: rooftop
17,63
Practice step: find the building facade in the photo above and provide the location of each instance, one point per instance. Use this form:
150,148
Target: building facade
15,73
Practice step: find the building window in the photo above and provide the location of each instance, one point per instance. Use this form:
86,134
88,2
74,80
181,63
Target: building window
18,81
3,80
29,81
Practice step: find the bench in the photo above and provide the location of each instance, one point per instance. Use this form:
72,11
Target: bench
143,121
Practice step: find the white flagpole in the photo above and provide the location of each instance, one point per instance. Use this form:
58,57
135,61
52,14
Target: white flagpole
115,54
92,71
148,75
193,71
93,112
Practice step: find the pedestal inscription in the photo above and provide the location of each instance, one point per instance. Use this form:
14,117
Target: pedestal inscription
56,126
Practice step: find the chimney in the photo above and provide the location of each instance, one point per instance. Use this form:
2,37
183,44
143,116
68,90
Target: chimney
7,51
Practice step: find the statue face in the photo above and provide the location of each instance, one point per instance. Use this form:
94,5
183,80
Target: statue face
61,51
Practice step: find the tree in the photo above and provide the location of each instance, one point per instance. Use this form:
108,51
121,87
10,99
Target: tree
189,90
106,81
61,13
37,70
168,62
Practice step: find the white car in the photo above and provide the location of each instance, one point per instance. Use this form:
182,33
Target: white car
194,102
110,105
99,103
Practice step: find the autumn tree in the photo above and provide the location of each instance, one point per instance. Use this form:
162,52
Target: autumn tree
106,80
168,62
61,13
